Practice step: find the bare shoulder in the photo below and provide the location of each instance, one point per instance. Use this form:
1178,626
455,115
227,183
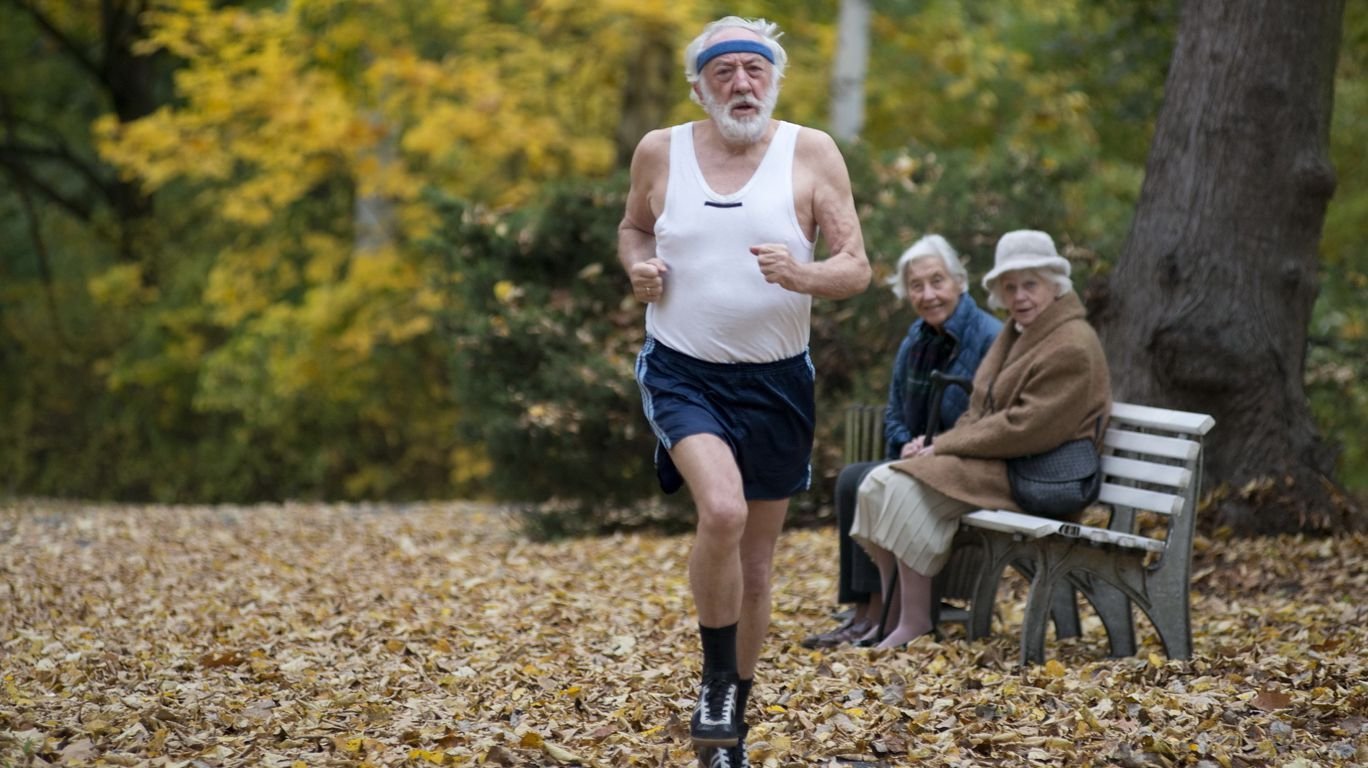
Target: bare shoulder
649,177
817,146
653,150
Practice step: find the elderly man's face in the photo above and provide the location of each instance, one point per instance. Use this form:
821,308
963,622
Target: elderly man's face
931,290
739,93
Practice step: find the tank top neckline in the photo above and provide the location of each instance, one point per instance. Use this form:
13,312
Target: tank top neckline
780,132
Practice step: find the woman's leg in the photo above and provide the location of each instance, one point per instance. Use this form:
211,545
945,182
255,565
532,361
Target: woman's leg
914,600
857,578
857,574
921,529
888,596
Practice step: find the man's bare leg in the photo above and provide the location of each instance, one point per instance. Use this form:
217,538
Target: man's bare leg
763,525
715,577
707,465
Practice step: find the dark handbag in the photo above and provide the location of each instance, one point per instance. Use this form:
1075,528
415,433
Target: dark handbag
1059,483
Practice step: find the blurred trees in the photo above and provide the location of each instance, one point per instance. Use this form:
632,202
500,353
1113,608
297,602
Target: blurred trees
68,219
254,332
1338,356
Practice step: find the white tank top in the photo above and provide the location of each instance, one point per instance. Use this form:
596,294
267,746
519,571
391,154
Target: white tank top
716,305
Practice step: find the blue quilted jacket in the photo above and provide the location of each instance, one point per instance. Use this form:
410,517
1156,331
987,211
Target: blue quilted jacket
973,330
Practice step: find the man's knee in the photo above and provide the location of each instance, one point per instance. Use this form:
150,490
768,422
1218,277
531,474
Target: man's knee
722,517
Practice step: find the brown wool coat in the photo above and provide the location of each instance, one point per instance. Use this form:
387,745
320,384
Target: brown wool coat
1048,385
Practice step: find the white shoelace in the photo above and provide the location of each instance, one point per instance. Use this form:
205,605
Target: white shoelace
727,706
721,758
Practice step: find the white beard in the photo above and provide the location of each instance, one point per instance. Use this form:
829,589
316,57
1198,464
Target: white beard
741,130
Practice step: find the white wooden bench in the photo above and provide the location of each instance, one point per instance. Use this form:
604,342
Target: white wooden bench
1141,555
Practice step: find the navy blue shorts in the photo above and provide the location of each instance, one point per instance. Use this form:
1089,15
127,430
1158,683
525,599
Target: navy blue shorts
764,411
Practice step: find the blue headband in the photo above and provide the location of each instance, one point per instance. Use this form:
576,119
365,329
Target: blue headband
732,46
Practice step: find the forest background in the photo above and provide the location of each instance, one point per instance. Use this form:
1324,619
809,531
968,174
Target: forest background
342,250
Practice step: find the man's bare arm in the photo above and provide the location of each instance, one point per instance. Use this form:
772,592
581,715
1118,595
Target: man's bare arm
636,232
845,272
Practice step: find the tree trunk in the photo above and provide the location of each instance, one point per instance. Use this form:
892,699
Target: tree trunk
131,81
848,70
648,92
373,214
1208,307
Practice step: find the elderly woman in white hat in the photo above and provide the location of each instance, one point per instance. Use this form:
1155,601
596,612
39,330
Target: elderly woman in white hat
1043,382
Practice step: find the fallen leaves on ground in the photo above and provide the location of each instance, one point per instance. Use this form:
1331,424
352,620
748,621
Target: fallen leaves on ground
429,635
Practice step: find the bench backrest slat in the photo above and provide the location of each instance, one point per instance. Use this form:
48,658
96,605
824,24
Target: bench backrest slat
1177,478
1139,498
1153,445
1196,424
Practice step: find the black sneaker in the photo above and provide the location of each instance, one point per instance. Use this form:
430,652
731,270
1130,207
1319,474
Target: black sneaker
724,757
715,722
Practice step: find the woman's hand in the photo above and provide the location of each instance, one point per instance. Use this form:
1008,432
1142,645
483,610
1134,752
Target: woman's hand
916,447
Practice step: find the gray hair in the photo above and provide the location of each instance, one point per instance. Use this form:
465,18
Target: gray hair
768,32
1061,282
931,246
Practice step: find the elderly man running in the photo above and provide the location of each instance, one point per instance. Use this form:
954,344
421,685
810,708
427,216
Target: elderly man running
718,239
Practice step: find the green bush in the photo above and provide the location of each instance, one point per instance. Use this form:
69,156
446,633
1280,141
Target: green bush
545,336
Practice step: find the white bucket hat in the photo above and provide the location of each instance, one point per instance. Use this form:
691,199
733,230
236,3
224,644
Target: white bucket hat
1025,249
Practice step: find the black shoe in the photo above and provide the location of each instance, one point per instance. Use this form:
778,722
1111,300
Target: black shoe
737,754
724,757
715,721
849,632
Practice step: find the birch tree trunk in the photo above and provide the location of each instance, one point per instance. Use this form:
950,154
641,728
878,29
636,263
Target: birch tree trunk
1209,305
849,69
373,214
374,223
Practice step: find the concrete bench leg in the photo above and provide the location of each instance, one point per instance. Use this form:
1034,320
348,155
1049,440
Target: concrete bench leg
1063,602
1064,612
1114,609
985,597
1038,603
1168,607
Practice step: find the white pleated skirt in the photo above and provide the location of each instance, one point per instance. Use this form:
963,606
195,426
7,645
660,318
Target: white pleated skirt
912,520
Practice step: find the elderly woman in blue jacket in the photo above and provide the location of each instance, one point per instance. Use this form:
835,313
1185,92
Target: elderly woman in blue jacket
951,334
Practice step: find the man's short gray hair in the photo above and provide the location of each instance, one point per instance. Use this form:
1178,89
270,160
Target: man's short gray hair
931,246
768,32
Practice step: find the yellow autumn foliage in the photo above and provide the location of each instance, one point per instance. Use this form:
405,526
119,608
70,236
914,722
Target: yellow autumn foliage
490,105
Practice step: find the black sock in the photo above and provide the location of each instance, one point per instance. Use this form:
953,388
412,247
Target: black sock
719,649
743,689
